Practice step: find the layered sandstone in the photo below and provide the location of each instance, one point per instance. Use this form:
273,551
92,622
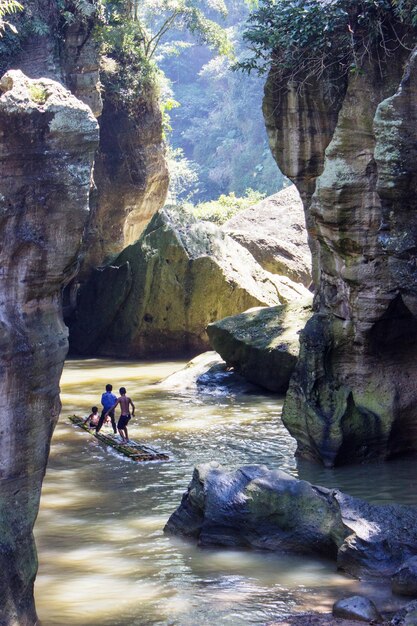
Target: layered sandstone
353,395
274,232
47,144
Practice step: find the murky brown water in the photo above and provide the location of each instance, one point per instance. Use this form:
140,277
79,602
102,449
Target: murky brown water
104,560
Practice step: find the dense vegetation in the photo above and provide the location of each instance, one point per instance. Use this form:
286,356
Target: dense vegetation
218,130
305,38
212,116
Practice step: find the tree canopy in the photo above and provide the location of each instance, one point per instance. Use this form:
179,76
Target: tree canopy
311,36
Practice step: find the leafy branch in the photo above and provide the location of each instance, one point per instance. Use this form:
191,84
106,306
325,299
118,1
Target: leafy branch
8,7
305,38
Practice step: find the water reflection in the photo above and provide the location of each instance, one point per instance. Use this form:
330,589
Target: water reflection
103,557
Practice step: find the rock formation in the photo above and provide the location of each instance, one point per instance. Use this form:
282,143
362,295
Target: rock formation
130,174
207,374
271,510
274,232
354,391
158,296
262,344
47,139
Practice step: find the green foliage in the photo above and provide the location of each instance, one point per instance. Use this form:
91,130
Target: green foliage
219,125
38,93
8,7
126,72
133,32
308,37
225,207
39,18
155,19
183,176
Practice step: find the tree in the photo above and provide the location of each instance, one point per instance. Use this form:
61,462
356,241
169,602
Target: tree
153,19
309,37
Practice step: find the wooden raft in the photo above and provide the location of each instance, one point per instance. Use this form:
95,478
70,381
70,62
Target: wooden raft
133,450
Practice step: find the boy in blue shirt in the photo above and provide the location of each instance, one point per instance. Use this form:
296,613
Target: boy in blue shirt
108,400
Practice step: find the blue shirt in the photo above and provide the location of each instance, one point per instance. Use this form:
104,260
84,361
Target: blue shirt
108,399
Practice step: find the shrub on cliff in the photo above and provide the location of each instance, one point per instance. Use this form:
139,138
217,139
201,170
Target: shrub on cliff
225,207
308,37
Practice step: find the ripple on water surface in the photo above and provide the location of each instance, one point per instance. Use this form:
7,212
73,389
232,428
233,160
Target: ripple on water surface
104,560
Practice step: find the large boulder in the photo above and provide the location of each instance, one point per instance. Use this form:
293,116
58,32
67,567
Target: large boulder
208,374
352,396
262,344
160,293
274,232
271,510
358,608
47,143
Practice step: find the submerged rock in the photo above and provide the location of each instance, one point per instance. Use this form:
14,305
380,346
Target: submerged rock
274,232
272,510
404,581
406,616
207,373
47,144
357,608
178,277
262,344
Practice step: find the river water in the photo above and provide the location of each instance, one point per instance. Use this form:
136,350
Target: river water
103,558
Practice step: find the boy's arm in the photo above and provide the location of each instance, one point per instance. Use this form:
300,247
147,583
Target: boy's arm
112,408
133,406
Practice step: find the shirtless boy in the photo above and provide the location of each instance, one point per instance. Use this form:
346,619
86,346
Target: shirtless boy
125,402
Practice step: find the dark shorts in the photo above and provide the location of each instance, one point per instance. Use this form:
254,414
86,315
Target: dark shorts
123,421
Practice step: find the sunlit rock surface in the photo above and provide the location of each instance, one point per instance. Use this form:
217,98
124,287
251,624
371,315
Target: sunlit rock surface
208,374
274,232
47,143
271,510
130,174
354,391
158,296
263,344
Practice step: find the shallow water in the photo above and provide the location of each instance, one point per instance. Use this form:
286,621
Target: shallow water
104,560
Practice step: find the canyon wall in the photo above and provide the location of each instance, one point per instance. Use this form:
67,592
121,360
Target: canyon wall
354,391
49,206
47,143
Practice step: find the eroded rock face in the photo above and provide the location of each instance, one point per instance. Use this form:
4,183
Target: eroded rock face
274,232
47,143
131,177
271,510
158,296
353,394
263,344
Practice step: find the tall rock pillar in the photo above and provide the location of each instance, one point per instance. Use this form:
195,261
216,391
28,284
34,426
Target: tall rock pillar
353,396
47,143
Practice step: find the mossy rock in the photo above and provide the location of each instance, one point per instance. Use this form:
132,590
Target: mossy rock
262,344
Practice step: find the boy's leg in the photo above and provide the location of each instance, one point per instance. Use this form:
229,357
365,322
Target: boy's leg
113,422
101,420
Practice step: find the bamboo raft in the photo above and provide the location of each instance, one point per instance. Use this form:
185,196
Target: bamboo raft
133,450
